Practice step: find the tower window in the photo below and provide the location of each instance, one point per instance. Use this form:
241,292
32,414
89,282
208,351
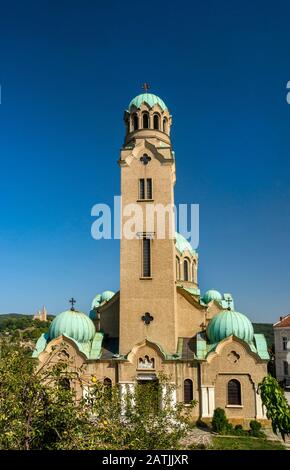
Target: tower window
177,268
156,121
145,120
145,188
146,268
135,122
284,341
234,392
185,270
285,367
187,391
165,125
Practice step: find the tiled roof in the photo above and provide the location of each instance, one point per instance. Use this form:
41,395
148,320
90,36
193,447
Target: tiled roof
284,321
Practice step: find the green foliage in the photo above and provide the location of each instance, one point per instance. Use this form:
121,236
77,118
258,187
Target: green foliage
38,410
220,422
244,443
267,330
278,410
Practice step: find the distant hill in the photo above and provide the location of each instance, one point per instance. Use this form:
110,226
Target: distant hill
18,326
267,330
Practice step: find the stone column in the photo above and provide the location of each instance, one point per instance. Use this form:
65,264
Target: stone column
123,393
207,401
260,409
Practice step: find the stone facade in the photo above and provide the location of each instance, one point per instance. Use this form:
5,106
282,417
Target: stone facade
157,323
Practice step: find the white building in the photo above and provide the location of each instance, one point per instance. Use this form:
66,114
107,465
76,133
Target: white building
282,349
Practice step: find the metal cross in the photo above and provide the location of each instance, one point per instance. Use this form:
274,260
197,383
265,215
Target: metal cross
146,87
72,301
147,318
145,159
228,300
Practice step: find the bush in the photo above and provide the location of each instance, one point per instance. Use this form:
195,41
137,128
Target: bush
201,424
220,422
239,431
255,430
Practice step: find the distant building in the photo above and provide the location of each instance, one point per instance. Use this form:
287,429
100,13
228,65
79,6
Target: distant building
282,349
41,315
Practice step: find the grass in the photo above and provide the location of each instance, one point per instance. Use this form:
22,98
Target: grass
245,443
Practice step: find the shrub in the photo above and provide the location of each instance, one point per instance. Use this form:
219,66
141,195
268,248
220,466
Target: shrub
256,429
201,424
220,422
239,431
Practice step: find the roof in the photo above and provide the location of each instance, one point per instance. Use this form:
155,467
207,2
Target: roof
182,245
283,322
149,99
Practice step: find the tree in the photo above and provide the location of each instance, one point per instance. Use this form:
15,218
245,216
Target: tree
275,402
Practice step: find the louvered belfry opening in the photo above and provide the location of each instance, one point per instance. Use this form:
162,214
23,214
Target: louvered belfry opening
149,188
234,392
146,257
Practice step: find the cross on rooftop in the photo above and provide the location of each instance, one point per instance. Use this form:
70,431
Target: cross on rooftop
228,300
146,87
72,301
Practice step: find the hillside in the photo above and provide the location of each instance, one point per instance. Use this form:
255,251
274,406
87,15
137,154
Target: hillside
21,327
267,330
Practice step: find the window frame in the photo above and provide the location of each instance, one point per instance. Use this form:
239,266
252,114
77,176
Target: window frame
239,390
187,382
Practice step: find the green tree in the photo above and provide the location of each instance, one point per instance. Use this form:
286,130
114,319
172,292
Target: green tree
275,402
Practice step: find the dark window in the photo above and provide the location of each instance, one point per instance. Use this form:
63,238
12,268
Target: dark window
142,188
285,367
64,382
145,120
146,257
185,268
187,391
135,122
156,121
149,188
108,387
177,268
284,339
164,125
234,392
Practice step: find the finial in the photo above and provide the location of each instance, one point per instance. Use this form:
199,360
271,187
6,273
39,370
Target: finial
72,301
228,300
146,87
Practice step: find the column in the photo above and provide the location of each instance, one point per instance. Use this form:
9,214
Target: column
260,409
207,401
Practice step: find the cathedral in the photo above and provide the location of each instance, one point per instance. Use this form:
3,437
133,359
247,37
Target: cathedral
159,321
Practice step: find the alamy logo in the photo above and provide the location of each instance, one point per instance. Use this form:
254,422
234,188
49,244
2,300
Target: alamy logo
134,220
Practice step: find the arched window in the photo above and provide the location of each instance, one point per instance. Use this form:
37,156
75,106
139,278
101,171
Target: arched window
187,391
177,268
145,121
234,392
64,382
185,270
165,125
193,271
108,387
156,121
135,122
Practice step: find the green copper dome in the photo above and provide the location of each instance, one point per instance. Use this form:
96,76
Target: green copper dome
75,324
211,295
149,99
227,323
182,244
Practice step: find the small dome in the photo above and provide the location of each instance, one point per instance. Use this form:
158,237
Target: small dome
96,301
107,295
211,295
149,99
182,244
72,323
228,323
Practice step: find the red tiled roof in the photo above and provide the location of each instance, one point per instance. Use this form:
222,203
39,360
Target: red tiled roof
285,321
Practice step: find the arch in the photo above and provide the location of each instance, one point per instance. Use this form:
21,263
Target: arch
135,122
177,268
107,382
186,270
108,387
165,125
194,271
187,391
145,120
156,121
234,392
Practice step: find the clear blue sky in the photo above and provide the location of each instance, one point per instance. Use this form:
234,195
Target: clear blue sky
68,71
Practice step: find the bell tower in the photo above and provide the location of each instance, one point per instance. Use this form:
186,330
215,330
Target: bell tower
147,258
